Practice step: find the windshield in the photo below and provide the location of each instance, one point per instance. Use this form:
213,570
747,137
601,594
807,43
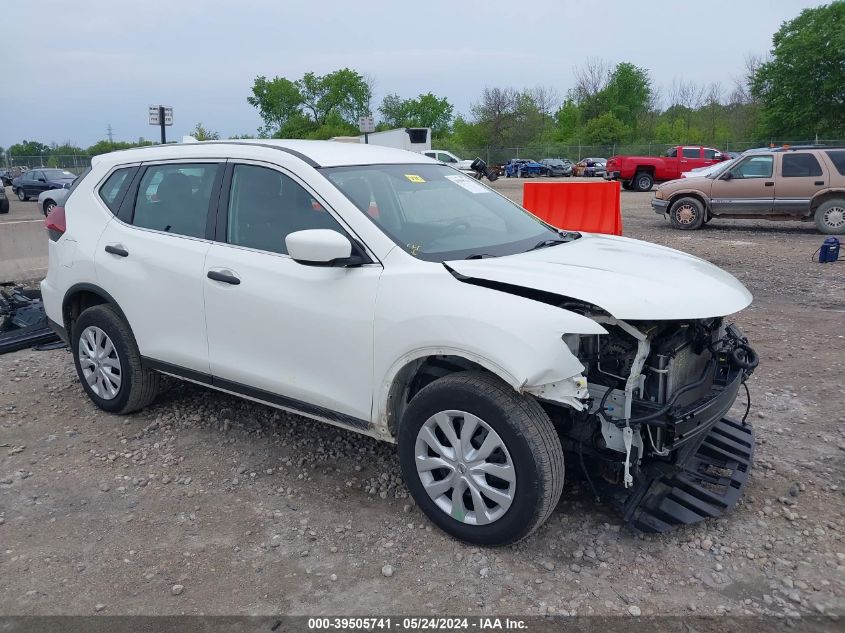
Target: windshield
437,214
58,174
721,168
554,162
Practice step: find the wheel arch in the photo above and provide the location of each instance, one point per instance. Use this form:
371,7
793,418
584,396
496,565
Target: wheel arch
691,194
824,196
82,296
415,370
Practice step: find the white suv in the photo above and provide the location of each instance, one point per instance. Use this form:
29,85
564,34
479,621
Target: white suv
382,292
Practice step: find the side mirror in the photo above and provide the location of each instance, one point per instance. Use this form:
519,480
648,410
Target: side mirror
728,175
42,180
321,247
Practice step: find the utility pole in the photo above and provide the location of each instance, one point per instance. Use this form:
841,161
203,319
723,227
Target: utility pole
110,133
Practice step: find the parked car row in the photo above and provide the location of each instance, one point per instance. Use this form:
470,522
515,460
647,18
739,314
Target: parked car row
7,175
795,183
35,181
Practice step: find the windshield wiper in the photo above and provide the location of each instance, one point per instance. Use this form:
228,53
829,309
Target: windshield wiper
547,243
478,256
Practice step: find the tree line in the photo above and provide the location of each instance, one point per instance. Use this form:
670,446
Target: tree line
795,92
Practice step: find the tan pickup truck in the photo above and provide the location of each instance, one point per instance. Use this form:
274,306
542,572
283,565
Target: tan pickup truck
785,183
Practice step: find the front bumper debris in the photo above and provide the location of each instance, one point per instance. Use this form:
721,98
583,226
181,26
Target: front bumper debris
23,322
707,484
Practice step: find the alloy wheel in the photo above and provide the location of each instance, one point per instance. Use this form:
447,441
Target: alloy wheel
99,362
465,467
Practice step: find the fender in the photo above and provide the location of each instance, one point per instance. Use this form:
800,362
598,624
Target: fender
517,338
93,289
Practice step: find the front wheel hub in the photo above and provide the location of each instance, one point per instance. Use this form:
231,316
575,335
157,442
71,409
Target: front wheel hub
465,467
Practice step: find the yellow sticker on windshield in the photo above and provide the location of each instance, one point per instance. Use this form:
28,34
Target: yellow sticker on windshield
414,178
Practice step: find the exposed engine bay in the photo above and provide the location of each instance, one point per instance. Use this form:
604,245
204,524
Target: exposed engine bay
659,392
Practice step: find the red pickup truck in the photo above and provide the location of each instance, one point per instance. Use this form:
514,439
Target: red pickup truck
639,173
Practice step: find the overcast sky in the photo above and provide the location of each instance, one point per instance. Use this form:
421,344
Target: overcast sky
74,67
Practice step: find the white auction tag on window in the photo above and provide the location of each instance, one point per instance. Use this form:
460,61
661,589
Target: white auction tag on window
468,183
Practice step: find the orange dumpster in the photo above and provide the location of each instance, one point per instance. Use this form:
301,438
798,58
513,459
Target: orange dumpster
592,207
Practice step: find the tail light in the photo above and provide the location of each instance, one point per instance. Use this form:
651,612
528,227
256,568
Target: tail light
55,223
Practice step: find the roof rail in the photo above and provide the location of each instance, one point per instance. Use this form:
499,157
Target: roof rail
790,148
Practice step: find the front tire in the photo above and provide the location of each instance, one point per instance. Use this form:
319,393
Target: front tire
687,214
830,217
108,362
483,462
22,195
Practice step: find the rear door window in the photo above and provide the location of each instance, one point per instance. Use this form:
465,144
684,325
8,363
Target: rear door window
800,165
174,198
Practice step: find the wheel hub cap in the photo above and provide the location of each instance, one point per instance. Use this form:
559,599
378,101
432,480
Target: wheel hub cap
99,362
465,467
685,214
834,217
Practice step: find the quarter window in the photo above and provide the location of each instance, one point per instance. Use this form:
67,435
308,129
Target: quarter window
265,206
114,188
692,152
174,198
838,160
800,165
754,167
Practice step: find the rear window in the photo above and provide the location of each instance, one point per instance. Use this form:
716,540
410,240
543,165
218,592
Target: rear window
113,190
798,165
175,197
838,160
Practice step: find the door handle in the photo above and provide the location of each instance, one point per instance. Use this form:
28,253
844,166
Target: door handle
117,250
819,183
226,278
769,184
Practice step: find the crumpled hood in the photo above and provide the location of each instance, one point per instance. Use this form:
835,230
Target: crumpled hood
628,278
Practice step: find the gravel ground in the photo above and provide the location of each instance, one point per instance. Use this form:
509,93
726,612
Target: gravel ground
207,504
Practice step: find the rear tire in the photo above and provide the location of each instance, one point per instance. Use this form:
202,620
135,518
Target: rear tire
687,214
830,217
108,362
643,181
454,496
48,206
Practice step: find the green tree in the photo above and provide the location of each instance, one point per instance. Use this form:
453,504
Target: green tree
605,129
802,87
30,150
201,134
627,94
567,120
312,105
277,100
427,110
105,146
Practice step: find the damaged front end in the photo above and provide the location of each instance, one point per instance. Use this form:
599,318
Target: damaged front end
652,433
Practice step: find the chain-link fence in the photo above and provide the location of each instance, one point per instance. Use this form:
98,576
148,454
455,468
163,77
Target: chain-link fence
491,154
75,163
575,152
